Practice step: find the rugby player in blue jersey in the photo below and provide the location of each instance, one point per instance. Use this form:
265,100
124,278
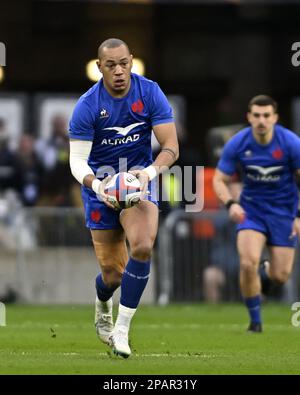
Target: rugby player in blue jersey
268,156
114,120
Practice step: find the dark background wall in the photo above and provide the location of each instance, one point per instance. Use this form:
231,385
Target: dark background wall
217,56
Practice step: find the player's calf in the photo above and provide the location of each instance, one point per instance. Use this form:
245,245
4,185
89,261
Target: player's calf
141,250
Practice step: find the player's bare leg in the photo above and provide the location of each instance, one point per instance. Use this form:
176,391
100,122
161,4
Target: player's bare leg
276,270
282,261
250,245
111,252
140,225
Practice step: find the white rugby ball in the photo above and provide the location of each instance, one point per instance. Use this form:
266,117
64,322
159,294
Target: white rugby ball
124,190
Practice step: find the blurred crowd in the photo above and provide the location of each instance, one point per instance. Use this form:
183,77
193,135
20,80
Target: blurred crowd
37,172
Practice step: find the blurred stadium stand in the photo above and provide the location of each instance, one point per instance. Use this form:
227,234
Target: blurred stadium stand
215,54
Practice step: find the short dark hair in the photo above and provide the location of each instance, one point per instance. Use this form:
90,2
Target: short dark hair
111,43
262,100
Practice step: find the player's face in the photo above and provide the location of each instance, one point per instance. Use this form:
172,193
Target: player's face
262,119
115,65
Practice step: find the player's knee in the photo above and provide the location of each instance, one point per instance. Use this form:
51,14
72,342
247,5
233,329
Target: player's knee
280,277
142,250
249,265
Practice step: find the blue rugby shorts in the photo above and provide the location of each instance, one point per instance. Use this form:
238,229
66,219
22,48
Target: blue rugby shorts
276,228
98,215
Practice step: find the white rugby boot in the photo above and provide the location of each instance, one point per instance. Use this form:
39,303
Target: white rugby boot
104,320
119,341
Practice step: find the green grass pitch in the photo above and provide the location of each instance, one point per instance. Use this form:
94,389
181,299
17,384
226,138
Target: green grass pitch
176,339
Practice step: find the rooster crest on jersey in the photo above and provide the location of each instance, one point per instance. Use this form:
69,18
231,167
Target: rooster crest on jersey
124,190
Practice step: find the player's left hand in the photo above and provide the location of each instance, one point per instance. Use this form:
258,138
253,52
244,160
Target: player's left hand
296,228
105,196
143,178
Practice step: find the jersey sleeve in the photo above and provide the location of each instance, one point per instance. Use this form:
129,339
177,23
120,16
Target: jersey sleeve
81,125
295,152
160,109
228,161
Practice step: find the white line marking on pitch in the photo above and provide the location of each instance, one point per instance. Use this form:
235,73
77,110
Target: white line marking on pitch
102,354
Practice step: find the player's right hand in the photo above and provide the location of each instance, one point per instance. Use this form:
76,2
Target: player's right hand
143,178
105,196
237,213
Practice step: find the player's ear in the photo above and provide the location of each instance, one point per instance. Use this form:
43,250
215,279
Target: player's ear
131,61
249,116
276,117
99,65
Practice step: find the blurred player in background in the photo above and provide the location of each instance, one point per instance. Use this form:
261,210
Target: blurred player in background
267,213
112,120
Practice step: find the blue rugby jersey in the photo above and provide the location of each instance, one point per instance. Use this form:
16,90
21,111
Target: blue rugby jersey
120,127
267,170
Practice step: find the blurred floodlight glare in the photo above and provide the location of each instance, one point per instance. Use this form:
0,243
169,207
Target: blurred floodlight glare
92,71
138,66
1,74
94,74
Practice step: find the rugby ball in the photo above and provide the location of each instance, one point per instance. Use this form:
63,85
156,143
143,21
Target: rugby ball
123,190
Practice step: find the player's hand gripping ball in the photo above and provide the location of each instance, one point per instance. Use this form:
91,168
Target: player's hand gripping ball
123,190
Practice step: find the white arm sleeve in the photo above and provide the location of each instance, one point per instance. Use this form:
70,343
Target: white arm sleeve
79,154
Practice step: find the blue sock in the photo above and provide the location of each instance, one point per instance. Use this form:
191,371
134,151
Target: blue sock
253,305
134,281
103,292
